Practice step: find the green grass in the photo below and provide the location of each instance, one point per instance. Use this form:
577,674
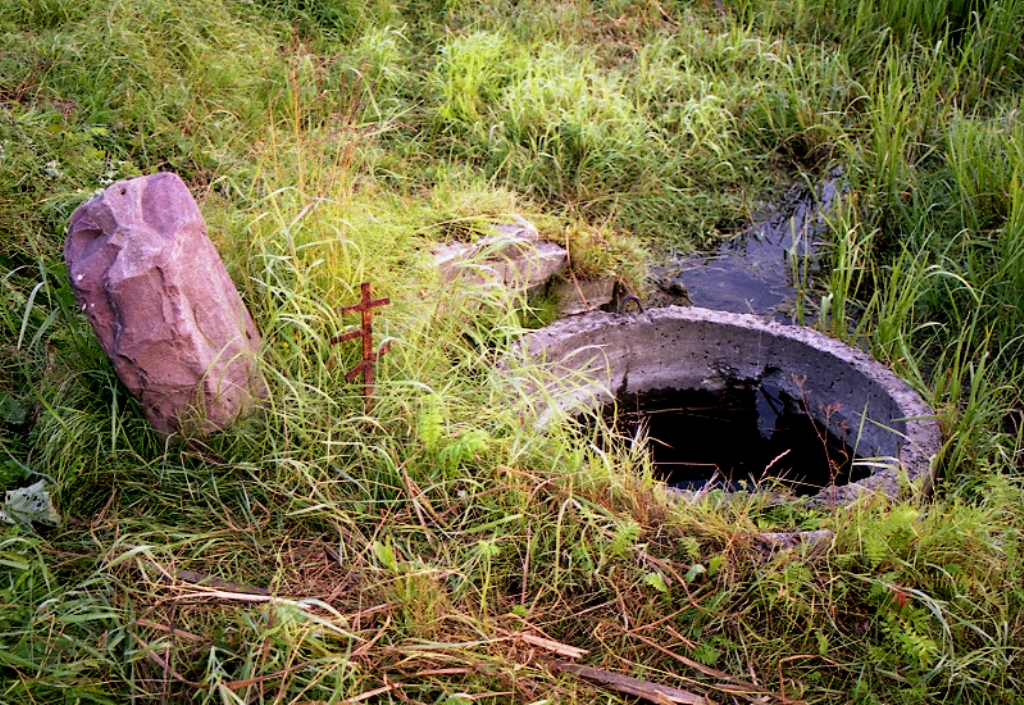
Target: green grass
330,143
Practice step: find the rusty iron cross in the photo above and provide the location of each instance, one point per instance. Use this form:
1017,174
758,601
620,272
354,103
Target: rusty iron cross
365,306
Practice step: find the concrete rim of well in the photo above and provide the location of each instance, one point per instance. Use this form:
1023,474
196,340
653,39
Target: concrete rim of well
593,359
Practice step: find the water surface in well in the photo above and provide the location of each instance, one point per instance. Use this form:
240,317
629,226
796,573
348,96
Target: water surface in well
751,434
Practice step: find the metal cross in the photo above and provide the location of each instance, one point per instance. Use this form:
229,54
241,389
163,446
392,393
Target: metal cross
365,306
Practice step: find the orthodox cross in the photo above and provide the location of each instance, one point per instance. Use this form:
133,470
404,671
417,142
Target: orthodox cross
365,306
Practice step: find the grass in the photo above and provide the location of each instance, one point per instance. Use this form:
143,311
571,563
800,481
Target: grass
400,556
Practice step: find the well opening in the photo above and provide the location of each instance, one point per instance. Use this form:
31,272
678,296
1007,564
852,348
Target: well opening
738,438
732,392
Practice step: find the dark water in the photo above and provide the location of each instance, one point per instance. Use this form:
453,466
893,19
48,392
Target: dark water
750,434
760,270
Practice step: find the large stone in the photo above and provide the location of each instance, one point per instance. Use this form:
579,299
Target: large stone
513,258
162,304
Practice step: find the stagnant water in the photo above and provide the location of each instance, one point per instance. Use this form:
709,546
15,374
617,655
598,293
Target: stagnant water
761,270
749,434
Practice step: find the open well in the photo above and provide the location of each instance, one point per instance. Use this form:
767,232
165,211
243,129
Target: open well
653,363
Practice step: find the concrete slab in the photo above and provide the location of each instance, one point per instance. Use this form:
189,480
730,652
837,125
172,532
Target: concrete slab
514,258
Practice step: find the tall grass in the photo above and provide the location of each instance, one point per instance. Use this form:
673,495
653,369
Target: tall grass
317,553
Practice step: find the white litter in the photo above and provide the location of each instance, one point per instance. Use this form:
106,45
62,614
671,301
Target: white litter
30,504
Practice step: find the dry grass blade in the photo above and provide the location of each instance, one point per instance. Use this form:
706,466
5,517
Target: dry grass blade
235,685
737,686
660,694
554,647
166,666
230,596
170,630
445,672
191,576
387,688
365,648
